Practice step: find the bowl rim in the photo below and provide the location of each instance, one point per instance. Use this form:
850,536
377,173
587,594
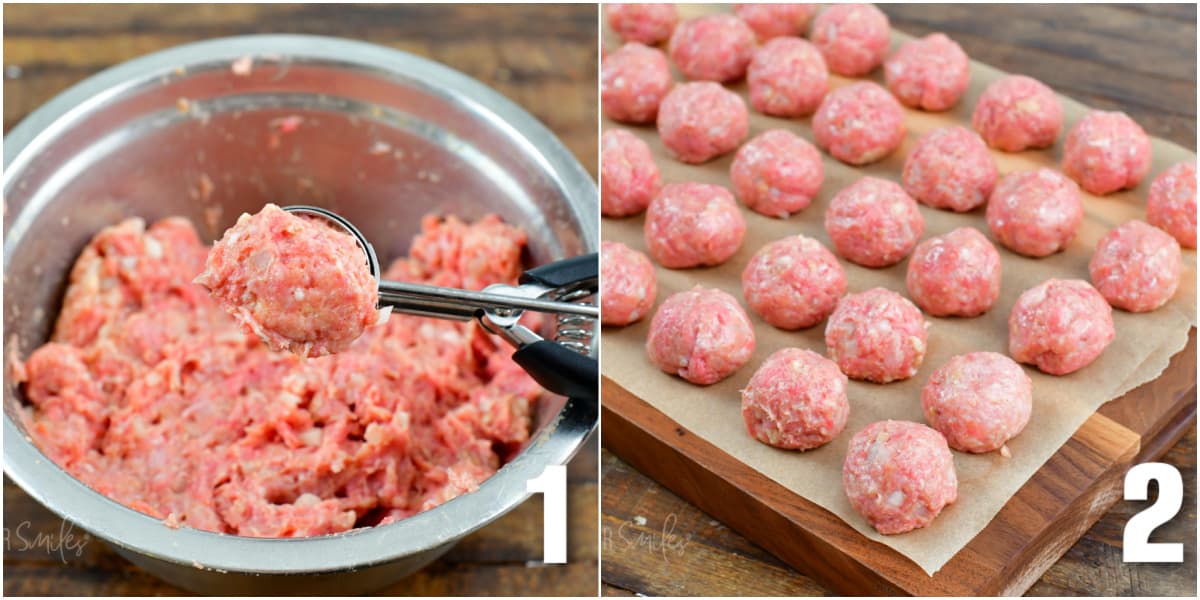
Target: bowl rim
558,441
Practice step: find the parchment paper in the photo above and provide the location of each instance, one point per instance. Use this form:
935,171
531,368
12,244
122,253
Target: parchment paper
1142,348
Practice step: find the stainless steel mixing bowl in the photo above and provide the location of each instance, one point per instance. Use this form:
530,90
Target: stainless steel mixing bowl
383,138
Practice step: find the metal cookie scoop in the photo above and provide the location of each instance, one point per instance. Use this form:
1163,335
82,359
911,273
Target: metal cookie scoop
562,366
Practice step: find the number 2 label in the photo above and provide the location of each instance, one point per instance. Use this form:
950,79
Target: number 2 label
1137,546
552,484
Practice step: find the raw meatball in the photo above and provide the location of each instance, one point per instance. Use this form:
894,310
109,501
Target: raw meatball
796,400
627,284
1060,326
950,168
295,282
876,335
633,82
899,475
1171,205
787,77
702,335
629,177
859,124
1016,113
793,283
930,73
693,225
1106,151
701,120
777,173
873,222
978,401
776,20
1136,267
1035,213
645,23
712,48
955,274
853,37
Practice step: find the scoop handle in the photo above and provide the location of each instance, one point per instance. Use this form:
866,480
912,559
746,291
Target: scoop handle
565,273
560,370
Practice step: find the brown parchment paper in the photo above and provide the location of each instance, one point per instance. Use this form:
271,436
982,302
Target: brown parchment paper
1143,346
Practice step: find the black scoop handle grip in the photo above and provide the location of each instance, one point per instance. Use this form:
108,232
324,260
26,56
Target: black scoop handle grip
560,370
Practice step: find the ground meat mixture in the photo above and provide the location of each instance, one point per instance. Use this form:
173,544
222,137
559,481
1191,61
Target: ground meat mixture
645,23
777,173
1035,213
629,177
873,222
702,335
787,77
859,124
876,335
627,284
776,20
1136,267
712,48
978,401
693,225
899,475
853,37
1171,204
796,400
1106,151
950,168
1016,113
930,73
1060,326
793,283
957,274
152,395
633,82
295,281
701,120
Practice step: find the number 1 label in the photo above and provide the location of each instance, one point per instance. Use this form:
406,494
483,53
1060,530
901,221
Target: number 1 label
552,485
1137,546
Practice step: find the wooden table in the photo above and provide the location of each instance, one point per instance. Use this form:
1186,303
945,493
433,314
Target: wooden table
542,57
1140,59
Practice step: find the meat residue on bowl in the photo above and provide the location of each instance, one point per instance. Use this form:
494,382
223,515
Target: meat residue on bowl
152,395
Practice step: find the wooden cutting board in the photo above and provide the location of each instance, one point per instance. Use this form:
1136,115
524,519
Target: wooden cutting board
1047,515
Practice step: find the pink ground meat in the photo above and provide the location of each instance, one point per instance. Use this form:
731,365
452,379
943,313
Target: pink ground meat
152,395
859,124
793,283
1060,326
1035,213
777,173
1016,113
978,401
957,274
629,177
1136,267
876,335
853,37
644,23
899,475
776,20
931,73
296,282
1171,204
700,121
702,335
712,48
796,400
627,284
950,168
633,82
873,222
787,77
693,225
1106,151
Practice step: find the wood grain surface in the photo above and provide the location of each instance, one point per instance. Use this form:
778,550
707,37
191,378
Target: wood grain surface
1138,59
544,58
